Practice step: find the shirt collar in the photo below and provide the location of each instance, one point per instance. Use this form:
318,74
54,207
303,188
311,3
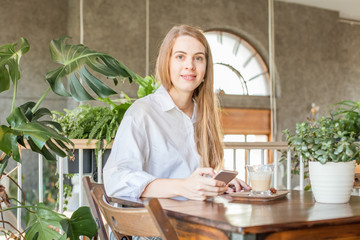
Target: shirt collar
167,103
165,100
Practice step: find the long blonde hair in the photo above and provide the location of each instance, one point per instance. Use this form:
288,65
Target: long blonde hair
208,136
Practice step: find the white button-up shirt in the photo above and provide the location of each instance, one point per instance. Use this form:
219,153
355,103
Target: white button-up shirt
155,140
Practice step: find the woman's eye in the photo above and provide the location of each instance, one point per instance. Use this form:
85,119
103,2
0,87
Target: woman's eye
180,57
198,58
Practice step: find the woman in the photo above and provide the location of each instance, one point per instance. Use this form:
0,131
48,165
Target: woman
170,140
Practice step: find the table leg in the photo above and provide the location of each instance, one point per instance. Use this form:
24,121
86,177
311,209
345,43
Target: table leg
238,236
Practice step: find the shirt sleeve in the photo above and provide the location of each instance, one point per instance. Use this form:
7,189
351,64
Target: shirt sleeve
124,173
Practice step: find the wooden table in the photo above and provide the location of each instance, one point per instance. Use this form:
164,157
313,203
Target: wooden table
297,216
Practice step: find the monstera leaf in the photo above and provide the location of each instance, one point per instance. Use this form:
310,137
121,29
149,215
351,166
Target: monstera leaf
9,63
40,135
44,224
76,60
80,223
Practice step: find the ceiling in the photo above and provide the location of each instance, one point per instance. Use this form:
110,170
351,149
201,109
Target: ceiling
348,9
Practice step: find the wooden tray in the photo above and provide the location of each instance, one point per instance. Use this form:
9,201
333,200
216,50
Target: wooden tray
245,196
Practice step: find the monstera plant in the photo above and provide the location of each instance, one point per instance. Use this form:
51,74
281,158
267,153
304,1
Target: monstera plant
28,125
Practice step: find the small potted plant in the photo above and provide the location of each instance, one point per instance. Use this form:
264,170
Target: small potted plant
330,147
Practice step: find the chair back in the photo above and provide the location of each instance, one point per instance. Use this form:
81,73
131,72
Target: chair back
89,186
150,221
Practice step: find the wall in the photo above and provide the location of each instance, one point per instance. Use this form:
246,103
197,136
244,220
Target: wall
317,57
39,21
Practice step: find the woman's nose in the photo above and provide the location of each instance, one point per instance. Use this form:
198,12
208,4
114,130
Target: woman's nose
190,65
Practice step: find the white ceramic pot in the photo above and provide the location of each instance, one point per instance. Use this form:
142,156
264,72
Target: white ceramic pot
332,182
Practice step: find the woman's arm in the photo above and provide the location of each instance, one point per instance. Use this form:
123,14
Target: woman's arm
196,186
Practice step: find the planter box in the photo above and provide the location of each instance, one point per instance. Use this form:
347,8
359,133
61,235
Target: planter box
89,158
88,166
89,161
105,156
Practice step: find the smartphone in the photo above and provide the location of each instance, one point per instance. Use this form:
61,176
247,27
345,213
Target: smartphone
226,175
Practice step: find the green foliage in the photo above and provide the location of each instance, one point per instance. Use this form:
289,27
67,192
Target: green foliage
333,138
44,224
351,113
24,121
79,224
147,85
74,59
89,122
9,63
100,122
27,124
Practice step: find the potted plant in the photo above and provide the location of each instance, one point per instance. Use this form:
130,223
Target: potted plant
28,126
330,147
89,122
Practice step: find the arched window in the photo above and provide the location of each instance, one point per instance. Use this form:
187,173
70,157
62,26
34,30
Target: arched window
238,67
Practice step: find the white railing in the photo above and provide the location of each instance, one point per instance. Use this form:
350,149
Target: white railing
273,147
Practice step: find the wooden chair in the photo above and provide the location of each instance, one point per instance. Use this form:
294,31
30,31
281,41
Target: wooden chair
89,186
150,221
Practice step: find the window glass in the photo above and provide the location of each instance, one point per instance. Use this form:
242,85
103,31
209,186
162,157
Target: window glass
238,67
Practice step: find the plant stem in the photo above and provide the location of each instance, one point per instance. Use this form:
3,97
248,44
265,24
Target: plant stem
14,95
40,100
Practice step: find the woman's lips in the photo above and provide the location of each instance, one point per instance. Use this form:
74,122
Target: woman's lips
189,77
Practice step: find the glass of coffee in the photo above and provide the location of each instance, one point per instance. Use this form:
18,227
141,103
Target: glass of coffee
260,178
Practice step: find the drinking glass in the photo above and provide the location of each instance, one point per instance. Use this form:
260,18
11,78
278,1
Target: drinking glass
260,178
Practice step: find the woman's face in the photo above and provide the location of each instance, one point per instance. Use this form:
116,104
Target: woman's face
187,64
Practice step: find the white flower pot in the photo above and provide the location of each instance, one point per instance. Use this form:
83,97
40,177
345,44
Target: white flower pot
332,182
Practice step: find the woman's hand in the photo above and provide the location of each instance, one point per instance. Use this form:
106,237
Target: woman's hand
198,187
236,185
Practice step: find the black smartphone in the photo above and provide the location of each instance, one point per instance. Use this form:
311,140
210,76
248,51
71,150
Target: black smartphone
226,175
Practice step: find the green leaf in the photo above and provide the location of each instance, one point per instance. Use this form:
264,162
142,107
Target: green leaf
43,151
8,143
40,113
307,187
339,149
80,223
73,59
147,85
4,163
95,84
10,57
77,91
43,223
37,133
55,148
4,79
16,118
54,124
315,147
348,151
